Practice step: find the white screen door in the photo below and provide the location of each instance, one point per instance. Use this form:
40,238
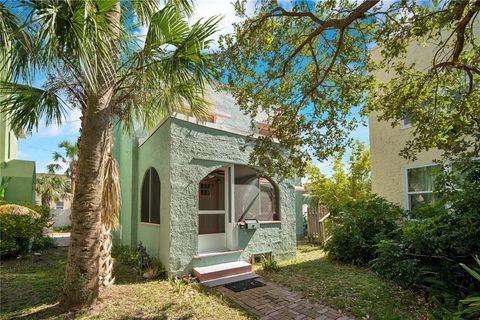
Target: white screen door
212,212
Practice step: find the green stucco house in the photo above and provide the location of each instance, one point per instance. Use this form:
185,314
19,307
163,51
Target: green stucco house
189,195
19,174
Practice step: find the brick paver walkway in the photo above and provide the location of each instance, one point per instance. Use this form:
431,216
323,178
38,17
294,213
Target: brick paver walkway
275,302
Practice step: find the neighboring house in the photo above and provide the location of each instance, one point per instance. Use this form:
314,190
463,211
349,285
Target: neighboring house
59,210
407,183
20,174
188,193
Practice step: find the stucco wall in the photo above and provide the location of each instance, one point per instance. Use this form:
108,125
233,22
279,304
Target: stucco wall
22,180
387,166
195,152
154,152
123,151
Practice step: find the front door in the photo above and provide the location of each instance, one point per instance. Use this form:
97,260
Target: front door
212,211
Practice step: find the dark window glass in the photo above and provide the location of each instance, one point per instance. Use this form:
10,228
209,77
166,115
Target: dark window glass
150,198
154,197
211,223
211,194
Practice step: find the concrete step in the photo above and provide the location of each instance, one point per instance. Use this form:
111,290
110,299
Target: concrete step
230,279
222,270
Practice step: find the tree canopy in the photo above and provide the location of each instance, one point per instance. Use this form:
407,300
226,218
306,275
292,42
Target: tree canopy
348,182
308,66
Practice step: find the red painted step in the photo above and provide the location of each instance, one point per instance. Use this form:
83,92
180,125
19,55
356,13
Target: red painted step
221,270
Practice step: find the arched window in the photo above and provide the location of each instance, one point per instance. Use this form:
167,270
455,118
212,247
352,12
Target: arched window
256,197
150,202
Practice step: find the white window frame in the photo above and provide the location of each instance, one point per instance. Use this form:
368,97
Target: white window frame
57,206
404,125
406,193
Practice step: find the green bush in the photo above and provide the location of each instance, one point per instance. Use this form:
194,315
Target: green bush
427,250
356,231
469,308
269,264
125,254
139,258
21,230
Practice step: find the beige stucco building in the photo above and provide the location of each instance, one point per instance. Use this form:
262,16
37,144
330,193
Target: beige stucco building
398,180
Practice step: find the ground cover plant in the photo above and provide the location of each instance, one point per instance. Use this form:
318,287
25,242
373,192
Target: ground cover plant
355,290
31,286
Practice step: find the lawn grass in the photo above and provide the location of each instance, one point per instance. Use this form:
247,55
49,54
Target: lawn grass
30,288
356,291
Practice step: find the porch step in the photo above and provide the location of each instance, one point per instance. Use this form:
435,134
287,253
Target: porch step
230,279
222,270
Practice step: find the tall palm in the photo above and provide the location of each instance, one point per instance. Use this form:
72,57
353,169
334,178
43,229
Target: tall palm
66,161
51,188
99,65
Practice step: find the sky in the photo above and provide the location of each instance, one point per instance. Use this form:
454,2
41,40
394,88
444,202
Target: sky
40,145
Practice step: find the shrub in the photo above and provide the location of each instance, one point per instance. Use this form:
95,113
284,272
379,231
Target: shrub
469,308
427,250
21,230
269,264
361,225
125,254
139,258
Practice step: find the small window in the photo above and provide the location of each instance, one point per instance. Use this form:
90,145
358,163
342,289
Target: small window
59,205
420,186
406,122
150,199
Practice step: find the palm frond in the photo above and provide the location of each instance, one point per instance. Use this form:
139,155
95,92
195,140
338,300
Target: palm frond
15,46
52,168
143,10
25,106
76,34
172,71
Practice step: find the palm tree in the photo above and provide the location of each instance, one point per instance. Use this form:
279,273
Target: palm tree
97,63
51,188
68,161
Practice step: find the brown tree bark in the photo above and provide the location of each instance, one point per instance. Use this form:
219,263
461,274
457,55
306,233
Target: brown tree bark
81,284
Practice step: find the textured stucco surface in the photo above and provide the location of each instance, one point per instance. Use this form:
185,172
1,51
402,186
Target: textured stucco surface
22,180
300,200
183,152
195,152
154,152
20,172
387,166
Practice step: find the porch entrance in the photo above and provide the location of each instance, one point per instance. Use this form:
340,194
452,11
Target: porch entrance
212,214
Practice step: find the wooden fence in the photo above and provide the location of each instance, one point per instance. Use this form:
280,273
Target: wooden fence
316,218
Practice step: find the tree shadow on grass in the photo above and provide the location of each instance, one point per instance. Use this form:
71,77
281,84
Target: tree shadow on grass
30,286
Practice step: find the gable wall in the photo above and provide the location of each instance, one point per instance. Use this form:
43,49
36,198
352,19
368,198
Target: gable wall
195,152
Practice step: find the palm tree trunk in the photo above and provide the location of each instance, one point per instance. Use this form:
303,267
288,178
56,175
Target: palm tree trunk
46,202
81,285
106,262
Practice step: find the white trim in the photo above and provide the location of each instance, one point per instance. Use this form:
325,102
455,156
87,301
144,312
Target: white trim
214,242
403,125
406,193
211,211
148,224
